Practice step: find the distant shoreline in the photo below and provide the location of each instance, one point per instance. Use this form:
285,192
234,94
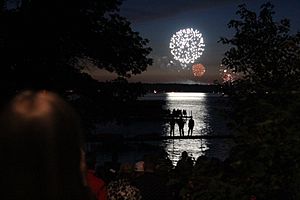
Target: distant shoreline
175,87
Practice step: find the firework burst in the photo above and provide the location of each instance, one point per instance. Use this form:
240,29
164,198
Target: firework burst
187,45
198,70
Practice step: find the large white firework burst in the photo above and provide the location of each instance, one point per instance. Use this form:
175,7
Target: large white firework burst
187,45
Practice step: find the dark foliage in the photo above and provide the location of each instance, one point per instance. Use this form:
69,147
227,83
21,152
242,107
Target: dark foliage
263,52
45,45
42,43
265,160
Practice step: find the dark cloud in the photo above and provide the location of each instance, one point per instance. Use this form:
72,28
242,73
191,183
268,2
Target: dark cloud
143,10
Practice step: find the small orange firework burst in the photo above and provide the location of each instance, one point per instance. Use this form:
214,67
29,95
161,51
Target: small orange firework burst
198,70
227,77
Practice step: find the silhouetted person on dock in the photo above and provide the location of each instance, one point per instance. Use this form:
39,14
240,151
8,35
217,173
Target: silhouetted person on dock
172,126
191,126
181,125
174,112
179,112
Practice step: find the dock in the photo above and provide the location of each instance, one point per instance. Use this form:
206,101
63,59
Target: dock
107,141
154,137
158,138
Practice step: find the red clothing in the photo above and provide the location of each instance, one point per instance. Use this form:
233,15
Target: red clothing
96,185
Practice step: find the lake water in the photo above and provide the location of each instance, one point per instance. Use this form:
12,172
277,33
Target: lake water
208,111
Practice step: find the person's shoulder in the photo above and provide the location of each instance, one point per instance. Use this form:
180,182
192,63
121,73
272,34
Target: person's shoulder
94,180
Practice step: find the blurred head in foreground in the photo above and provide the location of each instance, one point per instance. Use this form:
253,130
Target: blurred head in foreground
40,148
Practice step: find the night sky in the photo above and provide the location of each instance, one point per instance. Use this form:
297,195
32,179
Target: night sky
158,20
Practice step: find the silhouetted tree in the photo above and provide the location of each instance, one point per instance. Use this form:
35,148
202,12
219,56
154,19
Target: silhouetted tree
42,42
46,44
266,104
263,52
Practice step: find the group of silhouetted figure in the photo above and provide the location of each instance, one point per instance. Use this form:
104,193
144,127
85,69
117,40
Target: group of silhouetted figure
154,177
177,117
42,149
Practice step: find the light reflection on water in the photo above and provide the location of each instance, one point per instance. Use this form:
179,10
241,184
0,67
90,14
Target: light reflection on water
195,148
205,109
194,104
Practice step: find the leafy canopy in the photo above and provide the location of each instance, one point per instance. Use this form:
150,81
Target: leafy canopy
265,104
263,52
42,41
